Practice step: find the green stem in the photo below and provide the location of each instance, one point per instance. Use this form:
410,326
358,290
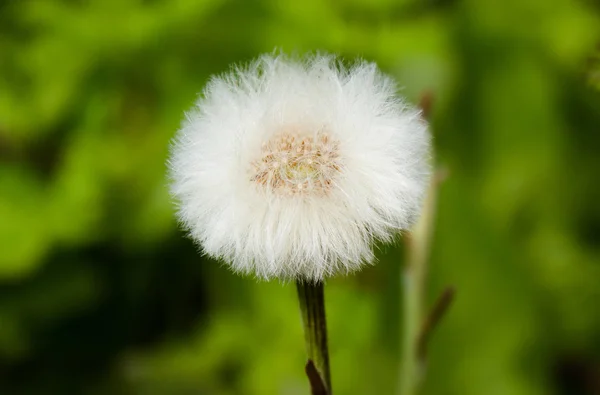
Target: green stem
312,307
413,287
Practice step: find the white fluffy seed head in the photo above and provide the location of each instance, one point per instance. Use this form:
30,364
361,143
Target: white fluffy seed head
293,168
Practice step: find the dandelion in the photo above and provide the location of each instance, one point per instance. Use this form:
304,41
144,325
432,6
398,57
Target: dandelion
292,168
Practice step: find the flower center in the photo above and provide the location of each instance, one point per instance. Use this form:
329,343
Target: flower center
292,164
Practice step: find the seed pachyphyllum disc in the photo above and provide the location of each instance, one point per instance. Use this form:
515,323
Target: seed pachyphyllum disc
291,168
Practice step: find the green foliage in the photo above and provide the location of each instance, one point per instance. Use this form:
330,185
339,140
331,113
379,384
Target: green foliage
100,294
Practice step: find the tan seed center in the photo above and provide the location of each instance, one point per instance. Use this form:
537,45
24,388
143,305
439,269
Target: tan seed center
292,164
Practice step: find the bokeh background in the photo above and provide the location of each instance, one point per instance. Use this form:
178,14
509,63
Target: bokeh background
100,293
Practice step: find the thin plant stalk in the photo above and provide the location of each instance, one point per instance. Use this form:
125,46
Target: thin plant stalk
413,291
312,307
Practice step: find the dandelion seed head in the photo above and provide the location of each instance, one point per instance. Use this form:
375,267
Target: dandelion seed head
292,168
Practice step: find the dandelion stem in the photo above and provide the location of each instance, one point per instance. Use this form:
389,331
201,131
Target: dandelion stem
312,307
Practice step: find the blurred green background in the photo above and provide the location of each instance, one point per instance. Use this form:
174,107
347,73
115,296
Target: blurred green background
100,293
